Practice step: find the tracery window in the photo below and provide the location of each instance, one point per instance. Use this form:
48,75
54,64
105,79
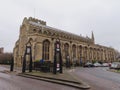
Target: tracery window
45,32
90,53
46,46
85,53
94,54
80,51
74,51
66,49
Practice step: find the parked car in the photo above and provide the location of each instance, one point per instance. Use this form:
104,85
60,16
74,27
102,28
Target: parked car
105,64
115,65
97,64
109,64
88,64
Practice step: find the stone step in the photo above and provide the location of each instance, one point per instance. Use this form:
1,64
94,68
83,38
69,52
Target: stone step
57,81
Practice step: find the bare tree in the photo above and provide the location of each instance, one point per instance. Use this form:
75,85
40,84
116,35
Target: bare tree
5,58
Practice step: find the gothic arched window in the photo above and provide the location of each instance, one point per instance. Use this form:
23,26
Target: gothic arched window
66,49
80,51
74,51
85,53
46,46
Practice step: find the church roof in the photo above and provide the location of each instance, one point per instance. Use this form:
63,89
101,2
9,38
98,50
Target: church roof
37,22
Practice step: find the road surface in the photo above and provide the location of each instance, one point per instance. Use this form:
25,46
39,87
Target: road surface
99,78
13,82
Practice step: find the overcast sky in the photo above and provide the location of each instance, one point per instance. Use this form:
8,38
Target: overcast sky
76,16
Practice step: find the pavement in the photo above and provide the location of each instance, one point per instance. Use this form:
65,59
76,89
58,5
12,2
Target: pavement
114,70
66,78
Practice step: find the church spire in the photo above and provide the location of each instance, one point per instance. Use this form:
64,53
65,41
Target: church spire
93,37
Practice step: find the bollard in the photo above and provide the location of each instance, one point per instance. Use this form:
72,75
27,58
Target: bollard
12,64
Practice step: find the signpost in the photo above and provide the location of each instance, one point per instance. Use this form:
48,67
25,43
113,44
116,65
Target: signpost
57,58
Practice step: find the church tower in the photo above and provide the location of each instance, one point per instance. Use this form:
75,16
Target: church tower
93,39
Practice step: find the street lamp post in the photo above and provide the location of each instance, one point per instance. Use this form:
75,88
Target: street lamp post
28,51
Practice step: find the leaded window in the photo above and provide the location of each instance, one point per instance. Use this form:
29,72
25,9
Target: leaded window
74,51
66,49
46,46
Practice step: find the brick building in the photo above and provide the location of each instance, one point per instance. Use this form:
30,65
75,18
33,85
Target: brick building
1,50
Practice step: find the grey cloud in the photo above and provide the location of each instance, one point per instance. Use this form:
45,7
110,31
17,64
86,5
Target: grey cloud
76,16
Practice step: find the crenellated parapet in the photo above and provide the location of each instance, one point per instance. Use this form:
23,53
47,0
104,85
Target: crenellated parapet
36,21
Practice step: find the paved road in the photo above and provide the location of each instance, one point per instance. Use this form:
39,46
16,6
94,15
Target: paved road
13,82
99,78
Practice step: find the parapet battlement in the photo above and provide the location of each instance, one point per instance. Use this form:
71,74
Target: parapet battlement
36,21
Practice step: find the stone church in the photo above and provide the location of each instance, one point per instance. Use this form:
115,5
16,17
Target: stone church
74,47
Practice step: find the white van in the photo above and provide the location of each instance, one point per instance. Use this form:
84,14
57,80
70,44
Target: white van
115,65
